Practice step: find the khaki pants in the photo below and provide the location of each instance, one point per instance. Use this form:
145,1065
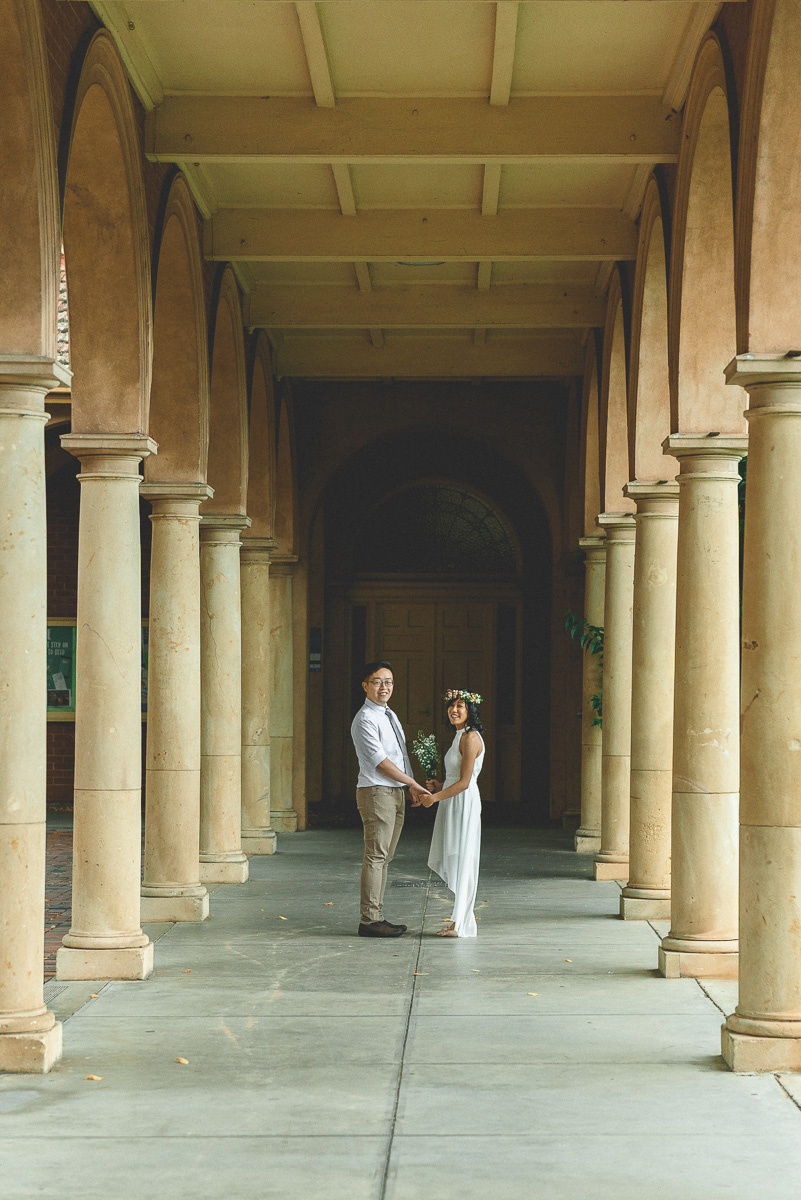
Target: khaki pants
382,810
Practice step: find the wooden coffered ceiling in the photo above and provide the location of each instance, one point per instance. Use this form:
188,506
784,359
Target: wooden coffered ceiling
416,188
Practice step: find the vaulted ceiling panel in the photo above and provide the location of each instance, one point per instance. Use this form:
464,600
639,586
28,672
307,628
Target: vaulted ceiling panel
574,185
234,48
272,185
606,46
409,47
407,185
544,272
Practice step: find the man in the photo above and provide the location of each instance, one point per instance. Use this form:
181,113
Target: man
384,775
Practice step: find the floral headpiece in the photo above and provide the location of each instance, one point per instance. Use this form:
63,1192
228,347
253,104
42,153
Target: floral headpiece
461,694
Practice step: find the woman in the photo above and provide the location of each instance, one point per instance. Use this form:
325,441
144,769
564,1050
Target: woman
456,841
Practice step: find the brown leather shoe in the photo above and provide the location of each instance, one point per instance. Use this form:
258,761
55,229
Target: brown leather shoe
381,929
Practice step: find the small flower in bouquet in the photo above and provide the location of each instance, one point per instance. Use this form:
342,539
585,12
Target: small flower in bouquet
426,753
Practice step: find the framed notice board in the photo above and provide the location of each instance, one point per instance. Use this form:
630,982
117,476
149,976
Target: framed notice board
61,669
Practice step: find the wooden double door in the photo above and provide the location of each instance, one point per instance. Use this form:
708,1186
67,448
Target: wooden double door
437,638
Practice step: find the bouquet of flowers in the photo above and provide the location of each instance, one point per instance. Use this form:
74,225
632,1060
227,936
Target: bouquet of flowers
426,753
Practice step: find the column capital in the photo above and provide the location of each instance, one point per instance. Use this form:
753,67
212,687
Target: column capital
109,445
23,370
754,370
154,491
224,521
702,445
658,500
258,549
594,548
620,526
283,564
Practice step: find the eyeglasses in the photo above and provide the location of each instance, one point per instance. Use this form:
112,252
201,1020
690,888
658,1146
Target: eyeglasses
379,683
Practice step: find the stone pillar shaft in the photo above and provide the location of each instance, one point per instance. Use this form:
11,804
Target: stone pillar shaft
258,836
764,1034
612,861
106,940
703,915
172,890
647,895
282,720
221,856
30,1037
588,835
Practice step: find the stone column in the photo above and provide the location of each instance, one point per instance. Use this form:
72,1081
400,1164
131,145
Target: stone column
30,1036
172,890
221,856
703,911
258,836
612,861
106,940
647,895
764,1034
588,835
282,722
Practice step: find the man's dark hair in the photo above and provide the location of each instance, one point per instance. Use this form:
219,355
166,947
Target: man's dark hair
371,667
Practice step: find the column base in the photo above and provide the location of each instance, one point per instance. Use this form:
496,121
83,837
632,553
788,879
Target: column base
747,1054
587,841
285,820
175,908
259,841
637,904
132,962
698,964
571,821
603,870
31,1053
224,870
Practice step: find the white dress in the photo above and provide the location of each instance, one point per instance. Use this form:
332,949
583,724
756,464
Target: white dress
456,841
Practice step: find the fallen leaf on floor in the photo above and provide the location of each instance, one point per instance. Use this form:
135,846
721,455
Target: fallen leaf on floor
568,960
420,973
188,971
94,1078
475,971
329,904
532,993
485,901
93,996
183,1061
282,918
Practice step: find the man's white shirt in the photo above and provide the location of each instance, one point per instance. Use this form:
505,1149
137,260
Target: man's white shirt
378,734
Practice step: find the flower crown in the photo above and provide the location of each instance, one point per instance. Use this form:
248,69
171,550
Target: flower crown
461,694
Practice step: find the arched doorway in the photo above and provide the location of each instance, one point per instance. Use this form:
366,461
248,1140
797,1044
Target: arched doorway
448,578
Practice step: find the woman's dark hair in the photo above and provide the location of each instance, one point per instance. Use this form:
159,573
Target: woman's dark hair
473,719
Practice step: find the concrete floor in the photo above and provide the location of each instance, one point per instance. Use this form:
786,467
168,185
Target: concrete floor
322,1066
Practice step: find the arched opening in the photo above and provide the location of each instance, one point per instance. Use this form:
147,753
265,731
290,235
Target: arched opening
179,394
261,443
228,415
106,252
590,440
285,483
447,574
702,302
649,378
614,407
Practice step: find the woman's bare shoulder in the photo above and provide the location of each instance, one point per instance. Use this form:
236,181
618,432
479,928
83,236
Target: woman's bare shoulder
470,739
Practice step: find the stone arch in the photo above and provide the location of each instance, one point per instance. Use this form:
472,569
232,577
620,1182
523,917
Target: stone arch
261,442
590,467
702,315
649,373
613,429
228,415
285,481
179,394
106,247
768,184
29,195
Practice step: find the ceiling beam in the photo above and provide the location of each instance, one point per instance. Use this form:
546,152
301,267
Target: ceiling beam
412,357
420,306
626,129
316,54
404,235
431,1
503,54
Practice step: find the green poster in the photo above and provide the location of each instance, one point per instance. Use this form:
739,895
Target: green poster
61,668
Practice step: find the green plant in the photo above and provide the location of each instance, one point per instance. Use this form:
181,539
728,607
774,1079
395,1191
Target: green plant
591,640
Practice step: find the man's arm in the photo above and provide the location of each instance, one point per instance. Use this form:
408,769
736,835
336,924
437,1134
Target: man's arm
370,750
387,767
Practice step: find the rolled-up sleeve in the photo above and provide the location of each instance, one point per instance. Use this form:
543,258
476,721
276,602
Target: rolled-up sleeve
367,742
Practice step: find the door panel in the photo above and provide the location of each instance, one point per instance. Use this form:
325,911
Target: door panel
465,660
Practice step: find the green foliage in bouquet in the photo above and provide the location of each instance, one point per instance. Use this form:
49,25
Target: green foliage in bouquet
426,753
591,639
